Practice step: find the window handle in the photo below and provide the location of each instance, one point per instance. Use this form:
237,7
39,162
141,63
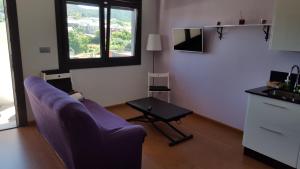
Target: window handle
271,130
274,105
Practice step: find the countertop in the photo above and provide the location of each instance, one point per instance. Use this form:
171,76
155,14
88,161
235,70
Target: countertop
260,91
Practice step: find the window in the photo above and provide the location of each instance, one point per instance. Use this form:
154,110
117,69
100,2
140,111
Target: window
98,33
122,32
83,31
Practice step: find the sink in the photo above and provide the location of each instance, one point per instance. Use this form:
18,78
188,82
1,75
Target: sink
282,94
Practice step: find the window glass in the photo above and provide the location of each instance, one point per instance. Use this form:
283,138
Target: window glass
122,32
83,31
2,17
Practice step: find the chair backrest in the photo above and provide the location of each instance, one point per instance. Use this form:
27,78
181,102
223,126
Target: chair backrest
159,75
59,79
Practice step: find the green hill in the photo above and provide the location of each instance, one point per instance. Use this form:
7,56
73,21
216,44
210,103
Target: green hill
80,12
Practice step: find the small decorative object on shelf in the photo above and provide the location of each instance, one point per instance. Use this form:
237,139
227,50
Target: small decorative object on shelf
266,30
220,30
263,21
242,21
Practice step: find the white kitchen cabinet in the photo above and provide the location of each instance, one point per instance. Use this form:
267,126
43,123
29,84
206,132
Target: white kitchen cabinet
272,128
286,26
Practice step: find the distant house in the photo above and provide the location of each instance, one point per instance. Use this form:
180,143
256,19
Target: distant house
89,25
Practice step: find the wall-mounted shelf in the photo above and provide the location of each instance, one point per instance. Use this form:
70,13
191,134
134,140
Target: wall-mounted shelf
220,28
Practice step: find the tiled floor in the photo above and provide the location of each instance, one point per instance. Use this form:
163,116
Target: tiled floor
7,116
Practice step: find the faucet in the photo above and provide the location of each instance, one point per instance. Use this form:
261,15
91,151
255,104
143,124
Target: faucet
288,79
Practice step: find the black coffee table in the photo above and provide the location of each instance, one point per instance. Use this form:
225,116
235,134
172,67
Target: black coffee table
155,110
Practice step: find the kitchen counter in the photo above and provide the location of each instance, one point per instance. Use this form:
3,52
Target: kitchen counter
272,124
272,129
261,91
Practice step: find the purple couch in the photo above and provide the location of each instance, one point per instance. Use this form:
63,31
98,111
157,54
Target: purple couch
84,134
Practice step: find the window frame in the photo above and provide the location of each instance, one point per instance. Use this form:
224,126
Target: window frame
65,63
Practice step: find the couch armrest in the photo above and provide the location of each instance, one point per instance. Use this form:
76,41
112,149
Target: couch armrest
125,147
134,133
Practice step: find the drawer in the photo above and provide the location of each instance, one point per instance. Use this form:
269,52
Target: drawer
273,143
274,113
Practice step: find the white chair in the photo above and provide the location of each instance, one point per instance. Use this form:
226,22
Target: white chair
59,79
152,88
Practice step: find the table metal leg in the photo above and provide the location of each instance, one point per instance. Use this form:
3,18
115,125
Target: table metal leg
163,133
139,118
173,142
149,119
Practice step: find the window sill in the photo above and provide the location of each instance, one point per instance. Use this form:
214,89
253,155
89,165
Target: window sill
97,63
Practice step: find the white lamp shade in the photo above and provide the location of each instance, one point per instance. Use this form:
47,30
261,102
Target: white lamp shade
154,42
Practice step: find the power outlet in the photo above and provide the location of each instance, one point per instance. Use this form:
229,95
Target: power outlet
45,50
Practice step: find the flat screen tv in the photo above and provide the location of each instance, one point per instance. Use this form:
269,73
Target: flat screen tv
188,39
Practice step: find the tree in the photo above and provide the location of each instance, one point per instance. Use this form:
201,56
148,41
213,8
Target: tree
94,49
96,39
120,40
78,41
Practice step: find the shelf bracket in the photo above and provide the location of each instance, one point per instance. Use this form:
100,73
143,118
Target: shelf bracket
220,32
266,30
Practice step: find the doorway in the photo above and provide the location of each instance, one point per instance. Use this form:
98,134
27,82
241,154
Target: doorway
12,99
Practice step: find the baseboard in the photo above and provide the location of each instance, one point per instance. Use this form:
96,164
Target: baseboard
267,160
199,115
31,123
219,123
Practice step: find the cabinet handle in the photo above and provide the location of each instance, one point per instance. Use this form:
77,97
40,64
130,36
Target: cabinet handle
272,131
274,105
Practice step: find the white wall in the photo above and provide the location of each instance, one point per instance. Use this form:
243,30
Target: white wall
213,84
107,86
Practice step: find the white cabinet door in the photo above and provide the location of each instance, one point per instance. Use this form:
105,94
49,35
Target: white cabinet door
267,141
286,26
272,128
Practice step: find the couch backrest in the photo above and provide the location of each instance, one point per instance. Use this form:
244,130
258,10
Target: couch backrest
63,121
